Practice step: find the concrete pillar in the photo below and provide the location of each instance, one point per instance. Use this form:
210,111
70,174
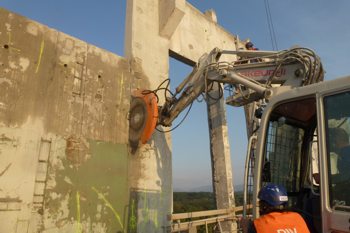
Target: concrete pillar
220,155
150,168
153,28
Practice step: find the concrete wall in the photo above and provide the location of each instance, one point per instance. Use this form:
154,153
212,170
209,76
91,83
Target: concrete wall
63,132
65,164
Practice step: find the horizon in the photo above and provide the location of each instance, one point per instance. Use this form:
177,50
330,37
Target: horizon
206,188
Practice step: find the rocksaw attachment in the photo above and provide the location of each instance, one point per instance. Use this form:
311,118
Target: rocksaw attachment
143,117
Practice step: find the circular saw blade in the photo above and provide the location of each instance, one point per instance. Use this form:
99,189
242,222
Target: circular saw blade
137,120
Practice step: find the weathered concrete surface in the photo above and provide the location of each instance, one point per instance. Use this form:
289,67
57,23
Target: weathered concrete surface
220,155
153,29
148,53
63,132
199,33
171,13
64,159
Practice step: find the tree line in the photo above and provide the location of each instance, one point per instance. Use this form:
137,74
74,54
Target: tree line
198,201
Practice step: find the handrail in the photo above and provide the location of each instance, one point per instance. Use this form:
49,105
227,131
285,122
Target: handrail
183,226
212,216
199,214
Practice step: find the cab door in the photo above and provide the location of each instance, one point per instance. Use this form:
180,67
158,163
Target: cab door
285,152
333,110
292,124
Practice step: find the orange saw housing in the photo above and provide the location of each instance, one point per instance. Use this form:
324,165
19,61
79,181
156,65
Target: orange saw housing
149,100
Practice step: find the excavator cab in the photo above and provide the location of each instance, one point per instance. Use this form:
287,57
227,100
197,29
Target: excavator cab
297,148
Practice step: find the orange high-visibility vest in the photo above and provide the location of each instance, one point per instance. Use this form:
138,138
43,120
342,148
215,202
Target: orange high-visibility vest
281,222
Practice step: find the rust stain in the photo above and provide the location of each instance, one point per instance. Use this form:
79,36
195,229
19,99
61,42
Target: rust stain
98,97
4,138
61,222
76,150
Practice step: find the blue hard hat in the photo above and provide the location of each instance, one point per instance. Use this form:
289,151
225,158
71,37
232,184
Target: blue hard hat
273,195
249,45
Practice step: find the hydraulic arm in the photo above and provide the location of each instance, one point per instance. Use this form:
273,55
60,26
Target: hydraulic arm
251,78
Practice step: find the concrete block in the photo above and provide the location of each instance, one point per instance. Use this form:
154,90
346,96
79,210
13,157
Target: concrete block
171,13
211,15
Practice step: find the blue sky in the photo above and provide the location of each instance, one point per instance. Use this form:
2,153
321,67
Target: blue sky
321,25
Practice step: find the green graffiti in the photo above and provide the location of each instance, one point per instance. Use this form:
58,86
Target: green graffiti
109,205
77,197
145,208
148,206
132,222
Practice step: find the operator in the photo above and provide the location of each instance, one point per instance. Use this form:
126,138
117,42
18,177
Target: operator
273,214
343,150
243,60
338,142
250,46
338,145
341,180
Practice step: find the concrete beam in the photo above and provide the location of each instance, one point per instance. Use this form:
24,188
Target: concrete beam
211,15
171,13
199,33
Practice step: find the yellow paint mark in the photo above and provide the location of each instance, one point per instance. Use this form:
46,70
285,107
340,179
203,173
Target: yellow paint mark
77,197
121,89
17,50
109,205
42,45
155,219
10,42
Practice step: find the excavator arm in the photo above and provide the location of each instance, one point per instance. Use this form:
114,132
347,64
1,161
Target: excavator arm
252,78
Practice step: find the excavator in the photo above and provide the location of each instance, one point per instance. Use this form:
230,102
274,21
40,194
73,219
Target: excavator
292,120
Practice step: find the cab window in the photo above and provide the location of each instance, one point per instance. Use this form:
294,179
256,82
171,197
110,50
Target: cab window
291,128
283,155
337,122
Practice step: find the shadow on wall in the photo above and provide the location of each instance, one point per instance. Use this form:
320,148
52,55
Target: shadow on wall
148,209
94,191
